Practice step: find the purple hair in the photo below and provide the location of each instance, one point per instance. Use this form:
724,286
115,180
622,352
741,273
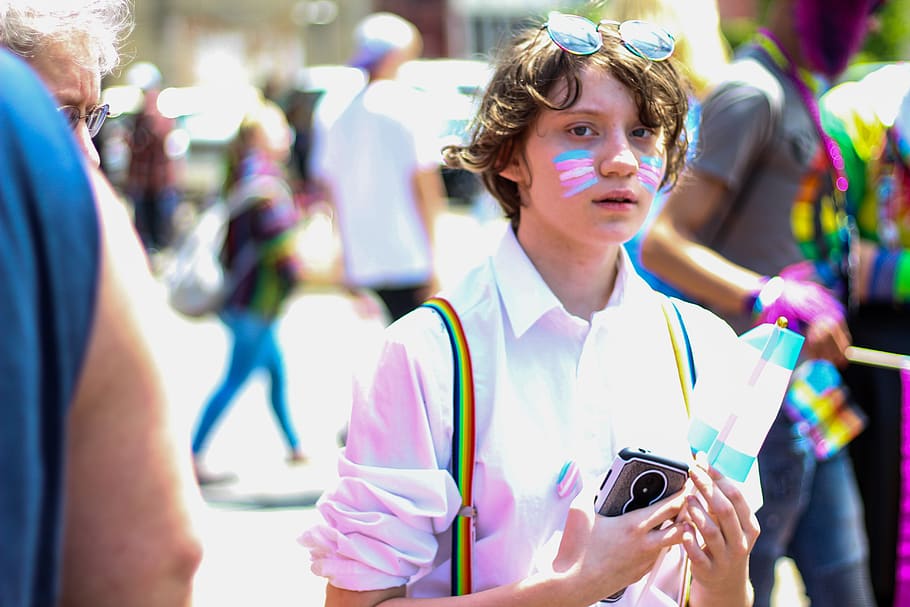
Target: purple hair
831,31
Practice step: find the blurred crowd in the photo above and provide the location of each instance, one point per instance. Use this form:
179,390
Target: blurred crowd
794,201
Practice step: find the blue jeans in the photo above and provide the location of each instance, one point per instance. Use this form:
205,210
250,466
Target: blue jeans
255,346
812,513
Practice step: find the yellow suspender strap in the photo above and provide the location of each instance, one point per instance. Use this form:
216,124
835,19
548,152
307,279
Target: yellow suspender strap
685,365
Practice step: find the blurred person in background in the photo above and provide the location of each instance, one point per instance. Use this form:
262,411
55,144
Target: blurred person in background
71,44
379,163
299,107
870,121
757,229
703,53
97,497
261,261
151,178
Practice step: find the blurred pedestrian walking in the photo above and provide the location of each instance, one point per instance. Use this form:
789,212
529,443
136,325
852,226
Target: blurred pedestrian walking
870,121
96,501
380,164
71,44
262,268
758,229
151,180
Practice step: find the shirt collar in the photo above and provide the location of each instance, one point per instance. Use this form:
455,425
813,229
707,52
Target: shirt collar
525,295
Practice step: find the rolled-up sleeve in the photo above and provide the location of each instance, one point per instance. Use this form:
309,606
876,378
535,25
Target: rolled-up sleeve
394,495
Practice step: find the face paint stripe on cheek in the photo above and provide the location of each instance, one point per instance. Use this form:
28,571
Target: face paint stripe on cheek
568,165
581,187
576,171
650,172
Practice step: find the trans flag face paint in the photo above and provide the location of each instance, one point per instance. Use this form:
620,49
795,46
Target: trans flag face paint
576,171
650,172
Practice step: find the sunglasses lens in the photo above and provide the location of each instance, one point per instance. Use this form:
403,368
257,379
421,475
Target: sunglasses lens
96,118
574,34
647,40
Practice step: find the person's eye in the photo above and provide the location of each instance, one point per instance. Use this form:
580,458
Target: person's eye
581,130
643,132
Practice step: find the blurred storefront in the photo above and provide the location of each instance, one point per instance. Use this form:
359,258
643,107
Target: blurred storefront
198,41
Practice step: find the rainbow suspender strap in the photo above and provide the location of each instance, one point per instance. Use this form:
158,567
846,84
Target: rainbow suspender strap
463,438
685,365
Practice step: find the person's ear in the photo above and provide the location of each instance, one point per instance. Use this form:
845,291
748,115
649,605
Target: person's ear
515,169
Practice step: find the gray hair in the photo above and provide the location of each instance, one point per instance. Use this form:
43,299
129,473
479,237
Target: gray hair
28,27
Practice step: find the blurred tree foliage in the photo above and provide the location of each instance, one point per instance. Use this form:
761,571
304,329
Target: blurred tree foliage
889,39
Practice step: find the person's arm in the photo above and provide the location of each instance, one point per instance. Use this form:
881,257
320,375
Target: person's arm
128,535
598,556
671,250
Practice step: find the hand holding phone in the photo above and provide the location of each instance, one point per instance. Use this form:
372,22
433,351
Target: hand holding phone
639,478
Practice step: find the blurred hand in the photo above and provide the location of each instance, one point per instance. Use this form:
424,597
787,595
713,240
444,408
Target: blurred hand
827,339
810,309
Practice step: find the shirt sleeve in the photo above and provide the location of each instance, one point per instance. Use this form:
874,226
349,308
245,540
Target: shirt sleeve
395,493
737,122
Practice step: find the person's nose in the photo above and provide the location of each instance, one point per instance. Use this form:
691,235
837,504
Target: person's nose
84,139
617,159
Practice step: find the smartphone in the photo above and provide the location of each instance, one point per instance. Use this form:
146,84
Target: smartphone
638,478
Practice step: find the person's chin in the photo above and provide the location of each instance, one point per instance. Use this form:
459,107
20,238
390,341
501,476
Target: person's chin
619,233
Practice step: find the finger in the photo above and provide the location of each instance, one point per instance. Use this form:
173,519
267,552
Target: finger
703,481
664,510
830,339
694,550
719,507
668,536
712,535
843,339
748,522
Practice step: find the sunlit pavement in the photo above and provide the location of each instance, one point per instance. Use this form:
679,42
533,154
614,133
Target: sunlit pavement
250,527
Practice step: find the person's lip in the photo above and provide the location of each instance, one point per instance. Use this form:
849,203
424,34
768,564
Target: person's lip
617,196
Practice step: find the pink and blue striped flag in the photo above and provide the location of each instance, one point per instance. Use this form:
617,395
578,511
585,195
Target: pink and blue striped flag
732,416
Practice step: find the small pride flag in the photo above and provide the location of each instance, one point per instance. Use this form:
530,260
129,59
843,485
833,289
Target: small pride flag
731,418
818,403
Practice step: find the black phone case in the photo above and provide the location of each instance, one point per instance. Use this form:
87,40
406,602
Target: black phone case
638,478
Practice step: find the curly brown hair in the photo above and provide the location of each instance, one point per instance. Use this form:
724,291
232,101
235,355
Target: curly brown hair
529,70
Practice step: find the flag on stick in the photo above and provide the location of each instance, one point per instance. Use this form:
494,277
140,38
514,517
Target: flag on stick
732,418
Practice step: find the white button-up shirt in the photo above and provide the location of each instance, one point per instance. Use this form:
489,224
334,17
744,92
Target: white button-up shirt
550,388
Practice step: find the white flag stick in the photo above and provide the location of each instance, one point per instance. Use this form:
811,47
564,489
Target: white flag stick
877,358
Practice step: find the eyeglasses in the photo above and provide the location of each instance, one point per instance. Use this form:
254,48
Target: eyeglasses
580,36
94,117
